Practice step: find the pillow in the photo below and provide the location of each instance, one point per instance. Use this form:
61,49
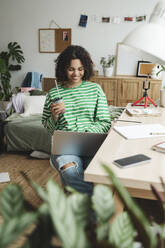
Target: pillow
33,105
26,89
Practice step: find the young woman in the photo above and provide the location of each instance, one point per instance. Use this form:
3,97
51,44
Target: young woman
85,109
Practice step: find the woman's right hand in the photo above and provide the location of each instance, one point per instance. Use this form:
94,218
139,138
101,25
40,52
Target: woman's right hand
56,110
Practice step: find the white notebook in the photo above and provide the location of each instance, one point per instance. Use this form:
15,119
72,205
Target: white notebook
141,131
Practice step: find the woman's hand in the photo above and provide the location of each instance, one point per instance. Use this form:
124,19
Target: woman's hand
57,109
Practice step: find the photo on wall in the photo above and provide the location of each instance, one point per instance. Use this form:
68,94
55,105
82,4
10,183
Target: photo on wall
83,20
65,36
106,19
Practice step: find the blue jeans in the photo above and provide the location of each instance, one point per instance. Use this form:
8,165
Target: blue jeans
73,176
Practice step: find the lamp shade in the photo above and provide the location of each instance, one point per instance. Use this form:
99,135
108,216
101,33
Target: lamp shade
150,37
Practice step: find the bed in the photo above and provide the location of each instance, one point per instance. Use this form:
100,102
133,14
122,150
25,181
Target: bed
25,132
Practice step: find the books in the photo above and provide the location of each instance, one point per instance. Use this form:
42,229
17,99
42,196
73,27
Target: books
159,147
144,111
141,131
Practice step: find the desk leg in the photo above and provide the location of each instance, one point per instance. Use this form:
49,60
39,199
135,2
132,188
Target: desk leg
119,207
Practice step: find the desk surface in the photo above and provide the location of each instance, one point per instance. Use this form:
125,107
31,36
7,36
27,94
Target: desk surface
115,147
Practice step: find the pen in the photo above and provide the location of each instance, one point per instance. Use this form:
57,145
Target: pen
157,133
129,121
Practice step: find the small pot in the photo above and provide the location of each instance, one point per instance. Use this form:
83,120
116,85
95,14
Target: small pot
108,71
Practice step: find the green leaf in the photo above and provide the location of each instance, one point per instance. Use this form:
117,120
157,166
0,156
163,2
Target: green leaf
102,231
3,67
39,190
121,232
103,203
64,221
11,230
139,220
11,202
16,52
80,205
41,236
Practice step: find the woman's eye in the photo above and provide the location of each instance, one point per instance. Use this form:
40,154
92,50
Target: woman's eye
79,69
70,69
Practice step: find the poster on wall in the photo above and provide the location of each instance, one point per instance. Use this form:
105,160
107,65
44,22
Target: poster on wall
46,40
54,40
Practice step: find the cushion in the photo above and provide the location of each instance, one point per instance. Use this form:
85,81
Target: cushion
27,89
33,105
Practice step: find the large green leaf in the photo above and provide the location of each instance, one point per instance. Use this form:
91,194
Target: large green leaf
11,202
139,220
103,203
68,229
80,205
121,233
16,52
11,230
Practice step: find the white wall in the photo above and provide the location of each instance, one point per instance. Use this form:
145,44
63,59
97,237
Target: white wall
21,19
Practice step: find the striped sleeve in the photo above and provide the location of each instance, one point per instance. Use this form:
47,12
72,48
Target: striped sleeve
47,118
102,120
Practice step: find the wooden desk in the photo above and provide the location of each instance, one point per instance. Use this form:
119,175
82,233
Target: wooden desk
136,179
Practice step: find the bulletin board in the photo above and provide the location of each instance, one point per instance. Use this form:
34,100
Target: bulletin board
127,60
54,40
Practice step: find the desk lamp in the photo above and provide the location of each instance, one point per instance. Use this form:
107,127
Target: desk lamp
149,38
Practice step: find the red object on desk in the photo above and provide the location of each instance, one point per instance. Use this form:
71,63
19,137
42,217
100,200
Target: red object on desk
145,98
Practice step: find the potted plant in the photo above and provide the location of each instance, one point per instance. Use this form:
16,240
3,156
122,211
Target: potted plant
14,55
77,220
107,65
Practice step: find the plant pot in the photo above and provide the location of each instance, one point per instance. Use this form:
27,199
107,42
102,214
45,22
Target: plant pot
108,71
162,97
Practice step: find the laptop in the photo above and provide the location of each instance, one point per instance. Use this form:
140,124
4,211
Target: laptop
76,143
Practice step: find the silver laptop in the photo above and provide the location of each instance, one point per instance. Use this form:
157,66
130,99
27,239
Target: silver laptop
76,143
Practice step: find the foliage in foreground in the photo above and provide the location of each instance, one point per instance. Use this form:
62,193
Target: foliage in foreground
77,220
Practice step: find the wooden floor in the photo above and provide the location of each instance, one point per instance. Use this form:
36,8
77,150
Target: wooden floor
39,170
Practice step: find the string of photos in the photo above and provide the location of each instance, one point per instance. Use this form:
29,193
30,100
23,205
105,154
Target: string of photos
84,19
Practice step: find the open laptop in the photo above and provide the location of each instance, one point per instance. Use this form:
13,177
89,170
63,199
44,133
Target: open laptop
76,143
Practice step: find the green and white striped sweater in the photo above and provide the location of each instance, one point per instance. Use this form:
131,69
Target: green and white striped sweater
86,109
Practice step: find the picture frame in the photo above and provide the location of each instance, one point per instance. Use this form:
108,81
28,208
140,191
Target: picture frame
144,68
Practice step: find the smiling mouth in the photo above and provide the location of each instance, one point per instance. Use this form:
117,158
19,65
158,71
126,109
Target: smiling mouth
75,78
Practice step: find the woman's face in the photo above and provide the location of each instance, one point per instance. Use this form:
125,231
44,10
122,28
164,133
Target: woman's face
75,71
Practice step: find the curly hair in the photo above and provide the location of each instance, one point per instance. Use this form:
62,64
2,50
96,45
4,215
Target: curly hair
64,59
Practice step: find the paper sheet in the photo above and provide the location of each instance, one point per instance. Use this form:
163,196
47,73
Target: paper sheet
4,177
140,131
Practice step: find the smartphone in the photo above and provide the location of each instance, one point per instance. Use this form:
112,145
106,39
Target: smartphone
132,161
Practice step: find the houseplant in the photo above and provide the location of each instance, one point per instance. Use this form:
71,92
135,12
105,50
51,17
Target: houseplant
9,61
107,65
68,219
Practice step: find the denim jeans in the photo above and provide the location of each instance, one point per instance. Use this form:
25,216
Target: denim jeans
73,176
